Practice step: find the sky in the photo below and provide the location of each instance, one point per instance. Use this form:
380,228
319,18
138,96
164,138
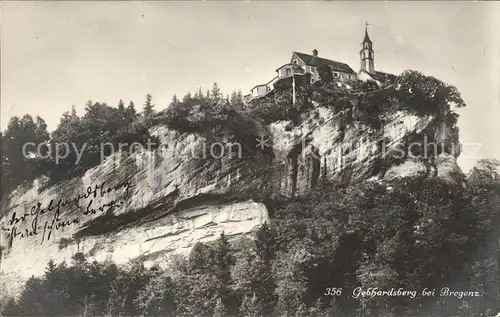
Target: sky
58,54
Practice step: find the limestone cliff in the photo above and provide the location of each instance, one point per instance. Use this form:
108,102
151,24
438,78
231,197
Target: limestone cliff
150,204
323,146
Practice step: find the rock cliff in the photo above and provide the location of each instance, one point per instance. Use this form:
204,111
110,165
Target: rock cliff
150,204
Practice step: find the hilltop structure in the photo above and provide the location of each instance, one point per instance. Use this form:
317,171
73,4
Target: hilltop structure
367,57
302,64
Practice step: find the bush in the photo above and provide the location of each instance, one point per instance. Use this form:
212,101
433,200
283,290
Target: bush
427,95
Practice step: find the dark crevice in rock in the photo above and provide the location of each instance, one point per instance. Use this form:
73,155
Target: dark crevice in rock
202,199
207,225
427,167
316,165
294,173
325,169
187,217
293,161
154,255
434,166
174,168
166,235
109,222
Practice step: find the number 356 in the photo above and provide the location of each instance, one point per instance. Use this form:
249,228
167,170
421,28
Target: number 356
333,291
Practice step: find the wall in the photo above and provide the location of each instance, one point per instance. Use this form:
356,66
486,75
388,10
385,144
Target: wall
291,68
259,90
363,76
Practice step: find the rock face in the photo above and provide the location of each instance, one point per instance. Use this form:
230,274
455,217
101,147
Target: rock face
151,242
325,146
151,204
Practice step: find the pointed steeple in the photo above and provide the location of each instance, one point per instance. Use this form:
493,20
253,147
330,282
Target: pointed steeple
367,55
367,38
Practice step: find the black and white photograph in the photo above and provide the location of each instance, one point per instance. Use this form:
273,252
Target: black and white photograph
250,158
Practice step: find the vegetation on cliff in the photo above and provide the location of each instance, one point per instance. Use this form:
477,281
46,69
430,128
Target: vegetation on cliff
101,124
412,92
411,234
105,127
217,117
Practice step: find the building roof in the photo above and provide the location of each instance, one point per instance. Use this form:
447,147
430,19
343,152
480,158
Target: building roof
289,64
316,61
275,78
381,76
367,38
258,86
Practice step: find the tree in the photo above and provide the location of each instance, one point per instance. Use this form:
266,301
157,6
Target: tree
175,101
199,96
216,94
131,113
121,109
300,311
427,94
265,243
320,310
224,258
30,302
148,110
484,188
79,259
187,100
18,168
196,293
485,171
157,298
236,100
250,306
291,279
325,74
70,130
220,309
9,307
201,258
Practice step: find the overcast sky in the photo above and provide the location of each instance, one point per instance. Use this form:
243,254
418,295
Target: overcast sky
56,54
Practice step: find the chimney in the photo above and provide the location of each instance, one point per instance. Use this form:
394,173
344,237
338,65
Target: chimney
315,52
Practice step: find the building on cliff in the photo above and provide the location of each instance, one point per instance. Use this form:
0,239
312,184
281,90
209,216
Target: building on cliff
302,64
367,57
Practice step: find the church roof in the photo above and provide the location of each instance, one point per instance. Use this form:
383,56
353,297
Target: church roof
381,76
316,61
367,38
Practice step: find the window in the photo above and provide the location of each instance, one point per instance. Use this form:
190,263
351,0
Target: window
287,72
336,74
295,61
312,80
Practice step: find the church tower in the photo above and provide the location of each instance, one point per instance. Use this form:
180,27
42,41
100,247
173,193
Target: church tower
367,55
